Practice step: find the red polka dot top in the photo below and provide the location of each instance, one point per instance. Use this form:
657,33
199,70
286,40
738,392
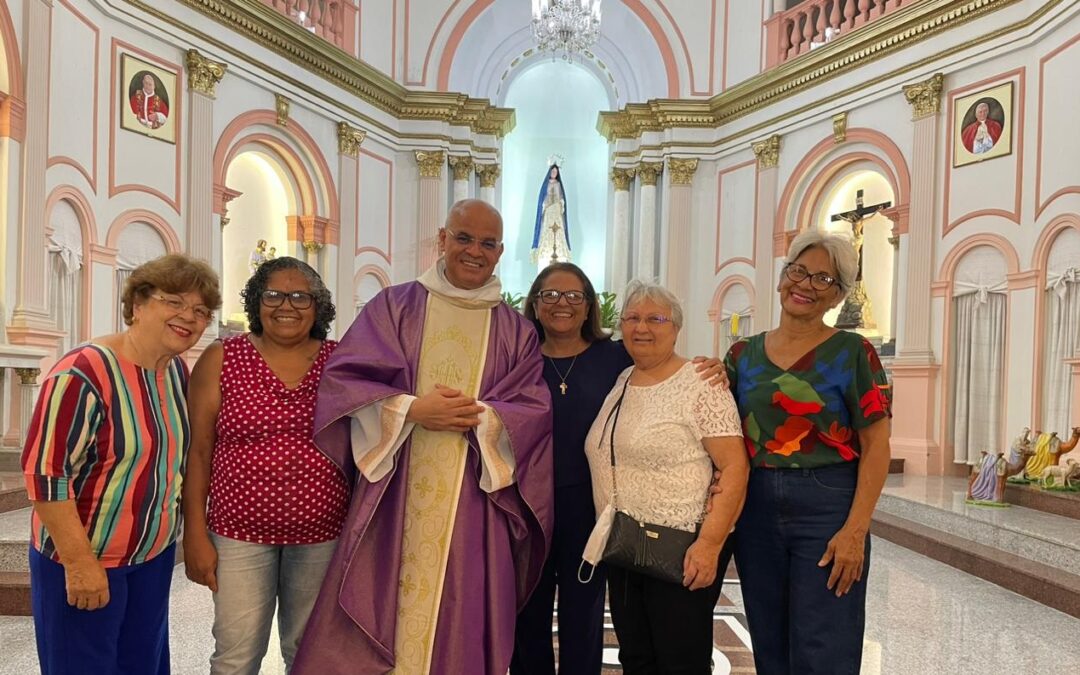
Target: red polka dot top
269,484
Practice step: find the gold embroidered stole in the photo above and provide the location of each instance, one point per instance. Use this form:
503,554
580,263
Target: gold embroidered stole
450,354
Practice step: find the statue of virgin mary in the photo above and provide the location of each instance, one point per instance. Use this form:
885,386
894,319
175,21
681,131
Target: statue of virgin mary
551,240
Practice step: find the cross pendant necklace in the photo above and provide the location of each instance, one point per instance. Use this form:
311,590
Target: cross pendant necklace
562,383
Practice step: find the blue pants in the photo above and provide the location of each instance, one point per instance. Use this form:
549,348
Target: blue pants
254,580
797,624
581,606
128,635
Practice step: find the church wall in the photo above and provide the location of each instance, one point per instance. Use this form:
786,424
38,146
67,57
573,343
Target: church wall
379,28
742,38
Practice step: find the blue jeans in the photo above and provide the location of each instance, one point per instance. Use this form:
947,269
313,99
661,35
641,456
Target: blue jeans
130,635
797,624
253,580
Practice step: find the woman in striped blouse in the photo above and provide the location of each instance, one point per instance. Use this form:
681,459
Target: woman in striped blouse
102,462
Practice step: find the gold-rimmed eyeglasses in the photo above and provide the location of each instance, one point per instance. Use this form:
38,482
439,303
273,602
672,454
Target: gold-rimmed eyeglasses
201,312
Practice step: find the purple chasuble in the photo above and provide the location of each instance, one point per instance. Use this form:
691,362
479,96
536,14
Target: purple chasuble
499,540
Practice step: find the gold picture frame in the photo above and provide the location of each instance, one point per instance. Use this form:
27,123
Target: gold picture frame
148,99
982,125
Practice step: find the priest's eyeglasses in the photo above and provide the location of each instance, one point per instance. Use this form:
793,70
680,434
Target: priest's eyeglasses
201,312
819,281
298,299
551,296
466,240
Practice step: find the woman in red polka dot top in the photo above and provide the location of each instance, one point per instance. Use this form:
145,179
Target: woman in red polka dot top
263,507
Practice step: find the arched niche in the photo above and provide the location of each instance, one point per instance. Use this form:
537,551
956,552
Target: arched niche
1059,309
977,348
879,255
734,296
367,282
269,195
555,125
138,242
67,272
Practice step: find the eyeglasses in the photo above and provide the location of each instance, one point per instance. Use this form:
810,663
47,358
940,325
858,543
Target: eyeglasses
202,313
466,240
651,320
298,299
551,296
819,281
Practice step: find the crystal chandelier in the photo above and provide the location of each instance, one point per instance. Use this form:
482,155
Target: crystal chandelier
565,25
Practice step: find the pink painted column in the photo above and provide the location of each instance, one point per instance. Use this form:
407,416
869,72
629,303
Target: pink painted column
766,247
349,140
30,318
429,211
679,226
915,371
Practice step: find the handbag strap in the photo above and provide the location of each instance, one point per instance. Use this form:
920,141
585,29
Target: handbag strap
611,439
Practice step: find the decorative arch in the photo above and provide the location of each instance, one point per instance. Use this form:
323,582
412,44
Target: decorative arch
286,158
461,27
895,170
1003,245
1039,263
172,242
717,304
373,270
321,184
88,226
11,54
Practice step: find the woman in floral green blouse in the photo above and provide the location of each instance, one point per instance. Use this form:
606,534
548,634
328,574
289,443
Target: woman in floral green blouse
814,403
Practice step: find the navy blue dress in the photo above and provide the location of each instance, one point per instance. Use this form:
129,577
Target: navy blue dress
588,377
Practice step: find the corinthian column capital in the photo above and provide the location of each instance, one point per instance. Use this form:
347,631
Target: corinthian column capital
488,174
925,96
682,170
203,73
461,165
621,178
349,139
430,162
767,152
649,172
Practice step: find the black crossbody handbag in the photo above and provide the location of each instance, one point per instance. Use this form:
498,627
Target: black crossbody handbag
654,550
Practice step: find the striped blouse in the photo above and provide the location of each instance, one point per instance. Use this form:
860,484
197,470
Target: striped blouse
114,437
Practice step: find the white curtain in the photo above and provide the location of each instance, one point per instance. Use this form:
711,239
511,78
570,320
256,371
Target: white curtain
978,363
64,260
139,243
1062,342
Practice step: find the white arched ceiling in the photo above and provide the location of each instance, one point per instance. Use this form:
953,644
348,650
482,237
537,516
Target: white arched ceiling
498,46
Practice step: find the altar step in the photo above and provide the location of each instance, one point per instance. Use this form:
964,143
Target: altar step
1032,553
14,563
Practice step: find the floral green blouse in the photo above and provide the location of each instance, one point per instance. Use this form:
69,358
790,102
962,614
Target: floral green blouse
808,415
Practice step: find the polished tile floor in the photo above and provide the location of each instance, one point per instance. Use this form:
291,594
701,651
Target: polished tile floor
923,618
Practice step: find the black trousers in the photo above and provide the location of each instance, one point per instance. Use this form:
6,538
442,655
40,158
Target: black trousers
796,623
664,628
581,606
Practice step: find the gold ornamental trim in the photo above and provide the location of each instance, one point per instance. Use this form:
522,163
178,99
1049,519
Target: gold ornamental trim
28,376
649,172
488,174
266,27
430,162
462,165
925,96
767,152
887,35
203,73
682,170
621,178
839,128
349,139
281,106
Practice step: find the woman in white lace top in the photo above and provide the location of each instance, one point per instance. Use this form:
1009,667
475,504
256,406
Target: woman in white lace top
671,431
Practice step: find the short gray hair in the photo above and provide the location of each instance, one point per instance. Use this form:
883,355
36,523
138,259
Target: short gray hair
638,290
842,254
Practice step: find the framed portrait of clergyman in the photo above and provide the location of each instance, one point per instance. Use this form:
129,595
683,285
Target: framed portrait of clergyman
982,125
147,96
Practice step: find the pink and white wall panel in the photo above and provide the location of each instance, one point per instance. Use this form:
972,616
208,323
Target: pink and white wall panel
1057,170
74,91
736,214
374,236
379,26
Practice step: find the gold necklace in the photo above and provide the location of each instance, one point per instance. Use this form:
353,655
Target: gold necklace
562,384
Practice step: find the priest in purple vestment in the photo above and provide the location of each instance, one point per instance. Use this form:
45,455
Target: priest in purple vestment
435,401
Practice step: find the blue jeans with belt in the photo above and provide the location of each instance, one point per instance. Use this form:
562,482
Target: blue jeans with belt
796,623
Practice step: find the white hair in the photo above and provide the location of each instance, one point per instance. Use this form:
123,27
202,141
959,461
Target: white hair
638,290
842,254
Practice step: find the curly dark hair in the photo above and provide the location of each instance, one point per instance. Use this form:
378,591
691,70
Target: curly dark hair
253,290
592,330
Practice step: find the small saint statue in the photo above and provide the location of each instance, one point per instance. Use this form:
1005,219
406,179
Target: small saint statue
258,256
551,240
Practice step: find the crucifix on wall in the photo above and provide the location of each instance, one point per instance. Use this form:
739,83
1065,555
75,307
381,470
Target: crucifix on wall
857,312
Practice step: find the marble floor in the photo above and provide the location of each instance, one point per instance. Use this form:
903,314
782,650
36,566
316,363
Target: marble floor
922,617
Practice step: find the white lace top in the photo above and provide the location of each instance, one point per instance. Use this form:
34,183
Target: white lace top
663,470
